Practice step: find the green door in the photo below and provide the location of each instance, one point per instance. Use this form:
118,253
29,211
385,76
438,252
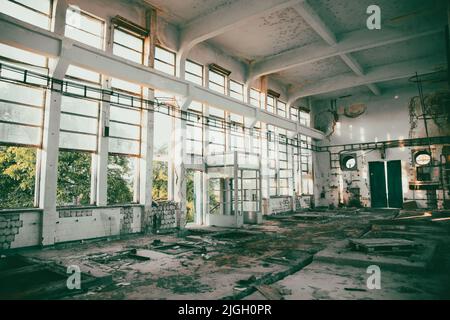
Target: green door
377,185
395,194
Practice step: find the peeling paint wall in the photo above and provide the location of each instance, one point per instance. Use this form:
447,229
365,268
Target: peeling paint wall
386,118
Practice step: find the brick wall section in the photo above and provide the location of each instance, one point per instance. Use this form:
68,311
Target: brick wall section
9,228
75,213
126,220
164,216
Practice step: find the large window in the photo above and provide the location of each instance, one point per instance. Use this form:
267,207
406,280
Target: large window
294,114
21,106
236,90
125,118
79,117
21,116
128,45
17,176
272,160
281,108
217,82
285,164
165,61
38,13
255,98
121,179
305,118
216,131
74,178
194,134
194,72
271,104
237,133
306,165
85,28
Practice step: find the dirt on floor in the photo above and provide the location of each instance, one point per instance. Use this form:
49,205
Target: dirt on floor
277,258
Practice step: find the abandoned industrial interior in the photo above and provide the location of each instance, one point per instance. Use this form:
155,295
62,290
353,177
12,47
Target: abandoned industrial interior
224,150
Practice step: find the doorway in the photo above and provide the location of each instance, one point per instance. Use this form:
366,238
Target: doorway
386,192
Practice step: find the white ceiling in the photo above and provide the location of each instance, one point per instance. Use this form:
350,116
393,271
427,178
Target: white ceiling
285,29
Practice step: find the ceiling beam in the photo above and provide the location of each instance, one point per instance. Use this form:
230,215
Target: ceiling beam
226,18
349,42
383,73
317,24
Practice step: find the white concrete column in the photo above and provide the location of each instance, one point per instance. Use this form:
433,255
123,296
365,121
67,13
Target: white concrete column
181,63
59,13
146,163
179,170
49,155
170,163
205,191
265,162
100,159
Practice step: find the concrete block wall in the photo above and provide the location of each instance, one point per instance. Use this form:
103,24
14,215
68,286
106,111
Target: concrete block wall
277,205
22,228
9,228
19,229
80,224
166,215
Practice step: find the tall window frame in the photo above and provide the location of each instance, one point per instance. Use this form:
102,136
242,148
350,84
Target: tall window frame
165,60
123,50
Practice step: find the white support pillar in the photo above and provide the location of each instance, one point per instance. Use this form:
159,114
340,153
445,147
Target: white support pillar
59,13
205,182
49,155
99,181
146,163
179,169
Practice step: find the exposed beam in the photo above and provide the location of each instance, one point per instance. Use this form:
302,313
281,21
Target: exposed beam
350,42
315,22
388,72
375,90
28,37
226,18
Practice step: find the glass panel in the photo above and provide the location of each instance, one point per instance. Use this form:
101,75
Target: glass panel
128,40
123,146
19,134
22,55
74,178
25,11
127,54
17,176
121,179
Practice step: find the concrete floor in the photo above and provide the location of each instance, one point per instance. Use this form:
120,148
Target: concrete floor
212,263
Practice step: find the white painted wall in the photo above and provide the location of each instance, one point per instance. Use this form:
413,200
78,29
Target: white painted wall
386,118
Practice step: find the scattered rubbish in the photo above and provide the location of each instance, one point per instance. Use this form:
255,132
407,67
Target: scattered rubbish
156,242
175,248
123,284
269,292
247,282
355,289
105,258
410,205
206,256
383,245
